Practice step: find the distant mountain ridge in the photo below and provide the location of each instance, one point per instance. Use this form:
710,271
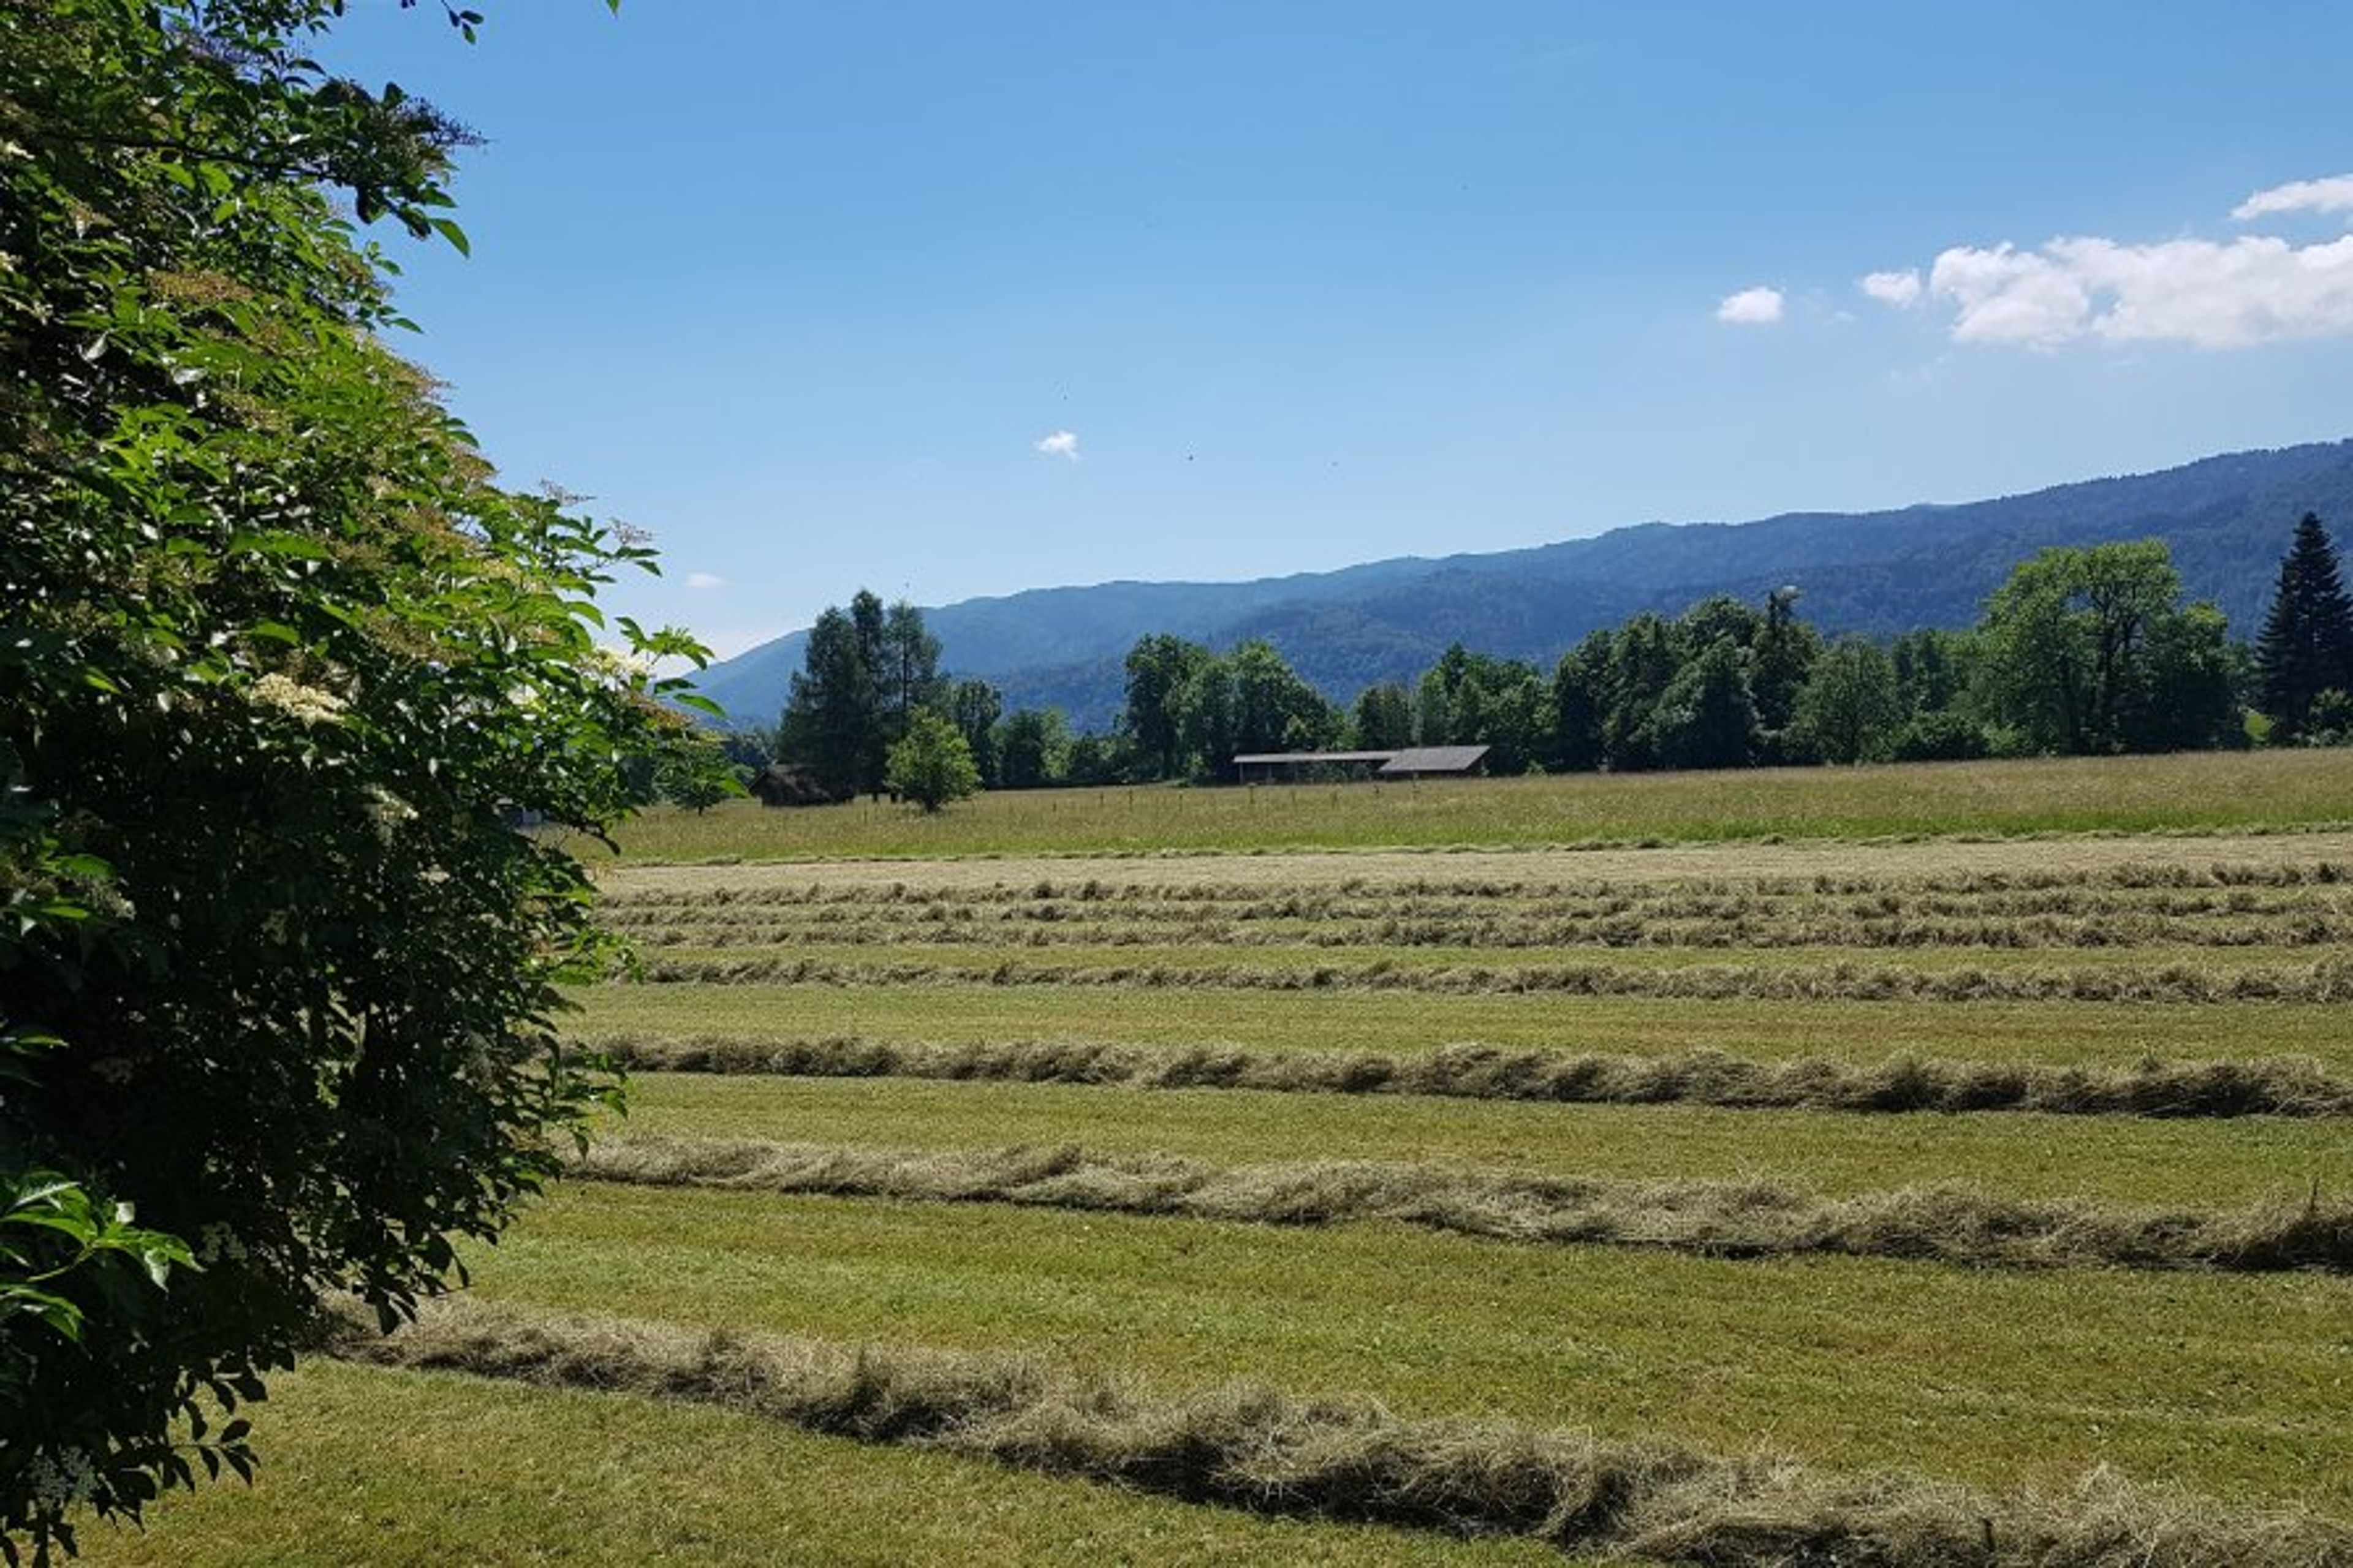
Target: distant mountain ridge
2227,519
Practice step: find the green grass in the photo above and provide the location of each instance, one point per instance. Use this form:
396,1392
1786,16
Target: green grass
2138,794
390,1468
2113,1159
2233,1386
2064,1032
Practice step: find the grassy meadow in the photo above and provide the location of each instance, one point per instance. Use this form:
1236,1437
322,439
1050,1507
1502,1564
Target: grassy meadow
1132,1099
2190,792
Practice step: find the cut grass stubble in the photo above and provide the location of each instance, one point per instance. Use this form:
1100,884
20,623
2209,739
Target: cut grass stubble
2065,1034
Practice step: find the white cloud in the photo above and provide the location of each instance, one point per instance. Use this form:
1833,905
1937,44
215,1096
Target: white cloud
1060,444
2211,294
1758,306
2334,195
1900,289
705,580
2008,296
2250,290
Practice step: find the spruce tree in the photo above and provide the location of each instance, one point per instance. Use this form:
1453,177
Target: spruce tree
2307,644
831,717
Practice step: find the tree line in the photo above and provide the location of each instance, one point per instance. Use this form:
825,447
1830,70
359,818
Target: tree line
870,712
2082,651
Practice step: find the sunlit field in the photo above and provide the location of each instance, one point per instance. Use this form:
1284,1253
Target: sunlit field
2188,793
1923,1140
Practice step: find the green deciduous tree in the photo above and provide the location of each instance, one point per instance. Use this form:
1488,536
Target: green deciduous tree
1382,720
1203,707
1643,659
974,707
1091,760
1030,746
1931,669
282,673
1275,710
1706,718
2306,647
1158,668
2067,639
1779,660
930,764
1849,710
2194,673
1580,706
1474,700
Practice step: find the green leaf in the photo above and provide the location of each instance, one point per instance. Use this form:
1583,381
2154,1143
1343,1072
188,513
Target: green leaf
277,542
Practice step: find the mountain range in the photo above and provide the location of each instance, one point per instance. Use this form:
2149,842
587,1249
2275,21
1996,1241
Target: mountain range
2227,519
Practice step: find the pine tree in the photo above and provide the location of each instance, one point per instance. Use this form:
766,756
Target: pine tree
830,720
2307,644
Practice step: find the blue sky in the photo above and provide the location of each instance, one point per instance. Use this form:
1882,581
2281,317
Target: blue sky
950,299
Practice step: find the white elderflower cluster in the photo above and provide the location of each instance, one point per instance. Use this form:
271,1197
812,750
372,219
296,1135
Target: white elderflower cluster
387,810
296,700
62,1479
217,1241
619,663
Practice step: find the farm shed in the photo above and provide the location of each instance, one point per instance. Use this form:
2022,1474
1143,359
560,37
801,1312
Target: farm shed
1415,761
787,783
1436,763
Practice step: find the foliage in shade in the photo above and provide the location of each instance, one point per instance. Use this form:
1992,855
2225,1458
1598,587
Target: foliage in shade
284,672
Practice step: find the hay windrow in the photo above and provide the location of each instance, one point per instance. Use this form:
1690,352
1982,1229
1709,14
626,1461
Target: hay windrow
2326,981
1256,1449
2219,906
1416,874
2271,1086
1947,1222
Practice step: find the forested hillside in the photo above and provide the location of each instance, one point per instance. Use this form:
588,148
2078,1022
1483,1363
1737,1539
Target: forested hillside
1879,572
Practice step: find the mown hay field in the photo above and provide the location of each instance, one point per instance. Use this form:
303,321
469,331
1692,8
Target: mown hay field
1966,1177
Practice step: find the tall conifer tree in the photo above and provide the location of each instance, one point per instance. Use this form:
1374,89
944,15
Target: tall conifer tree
831,718
2307,644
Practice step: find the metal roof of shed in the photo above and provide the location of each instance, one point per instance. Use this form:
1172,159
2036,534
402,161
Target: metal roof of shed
1265,759
1435,760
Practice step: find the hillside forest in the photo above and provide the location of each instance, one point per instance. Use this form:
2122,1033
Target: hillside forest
2082,651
